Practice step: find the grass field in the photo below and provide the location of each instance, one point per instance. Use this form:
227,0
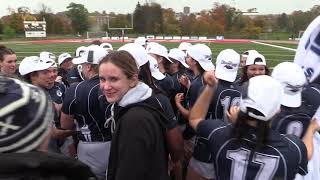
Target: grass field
273,55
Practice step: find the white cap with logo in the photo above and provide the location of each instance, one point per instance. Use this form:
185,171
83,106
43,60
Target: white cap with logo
80,50
154,68
138,52
227,65
202,54
178,55
158,49
62,57
106,46
34,63
255,58
184,46
246,53
91,55
292,79
263,94
141,41
46,54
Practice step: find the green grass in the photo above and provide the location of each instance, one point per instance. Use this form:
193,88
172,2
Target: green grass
272,54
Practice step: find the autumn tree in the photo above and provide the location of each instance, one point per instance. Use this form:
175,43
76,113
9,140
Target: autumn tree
170,23
79,17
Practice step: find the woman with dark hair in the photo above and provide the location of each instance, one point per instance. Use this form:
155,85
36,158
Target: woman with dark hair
8,61
255,65
138,148
248,148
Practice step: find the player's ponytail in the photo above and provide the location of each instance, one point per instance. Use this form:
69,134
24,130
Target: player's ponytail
240,128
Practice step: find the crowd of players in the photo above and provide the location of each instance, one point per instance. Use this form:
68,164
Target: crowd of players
143,112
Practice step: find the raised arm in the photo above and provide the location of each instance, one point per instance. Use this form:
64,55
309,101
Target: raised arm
200,108
308,137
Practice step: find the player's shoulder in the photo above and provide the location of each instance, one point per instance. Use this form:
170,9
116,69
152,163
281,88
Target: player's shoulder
210,127
294,142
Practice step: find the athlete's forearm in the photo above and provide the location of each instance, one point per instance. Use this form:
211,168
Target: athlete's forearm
200,108
308,138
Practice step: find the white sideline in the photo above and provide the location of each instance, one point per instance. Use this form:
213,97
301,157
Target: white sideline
281,47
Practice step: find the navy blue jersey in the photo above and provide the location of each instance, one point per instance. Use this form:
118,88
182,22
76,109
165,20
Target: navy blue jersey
166,107
293,121
82,101
57,92
195,89
311,98
177,86
281,158
166,85
224,97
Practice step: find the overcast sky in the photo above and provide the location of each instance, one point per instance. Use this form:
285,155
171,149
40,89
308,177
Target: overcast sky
127,6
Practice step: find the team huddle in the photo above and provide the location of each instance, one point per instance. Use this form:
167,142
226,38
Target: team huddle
145,112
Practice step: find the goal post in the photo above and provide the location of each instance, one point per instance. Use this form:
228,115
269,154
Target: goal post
96,35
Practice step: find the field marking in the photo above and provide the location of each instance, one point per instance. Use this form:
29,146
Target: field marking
281,47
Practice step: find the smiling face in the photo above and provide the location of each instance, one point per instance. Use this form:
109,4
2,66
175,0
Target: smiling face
256,70
44,78
9,64
114,83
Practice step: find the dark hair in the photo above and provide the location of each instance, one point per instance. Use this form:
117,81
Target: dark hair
5,51
123,60
166,64
96,42
240,129
27,77
244,77
146,77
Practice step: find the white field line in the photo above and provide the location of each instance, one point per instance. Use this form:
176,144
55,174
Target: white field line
281,47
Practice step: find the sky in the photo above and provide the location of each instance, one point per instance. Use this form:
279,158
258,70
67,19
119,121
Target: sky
128,6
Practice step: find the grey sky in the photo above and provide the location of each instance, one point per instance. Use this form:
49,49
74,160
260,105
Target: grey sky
127,6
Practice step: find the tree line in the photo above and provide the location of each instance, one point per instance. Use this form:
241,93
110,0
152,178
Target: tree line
151,18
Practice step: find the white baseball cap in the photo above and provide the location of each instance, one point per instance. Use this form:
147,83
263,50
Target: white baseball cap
154,68
227,65
255,58
246,53
158,49
184,46
178,55
63,57
80,50
263,94
34,63
141,40
91,55
137,51
202,54
106,46
46,54
292,79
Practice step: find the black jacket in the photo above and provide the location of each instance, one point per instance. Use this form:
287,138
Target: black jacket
138,147
42,166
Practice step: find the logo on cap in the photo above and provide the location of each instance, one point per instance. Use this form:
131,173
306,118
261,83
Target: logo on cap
228,64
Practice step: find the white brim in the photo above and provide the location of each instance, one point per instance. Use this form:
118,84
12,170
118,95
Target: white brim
158,75
184,64
291,100
167,57
225,75
207,65
79,60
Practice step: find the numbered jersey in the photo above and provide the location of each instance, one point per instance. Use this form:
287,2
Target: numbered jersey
82,101
291,121
281,158
224,97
